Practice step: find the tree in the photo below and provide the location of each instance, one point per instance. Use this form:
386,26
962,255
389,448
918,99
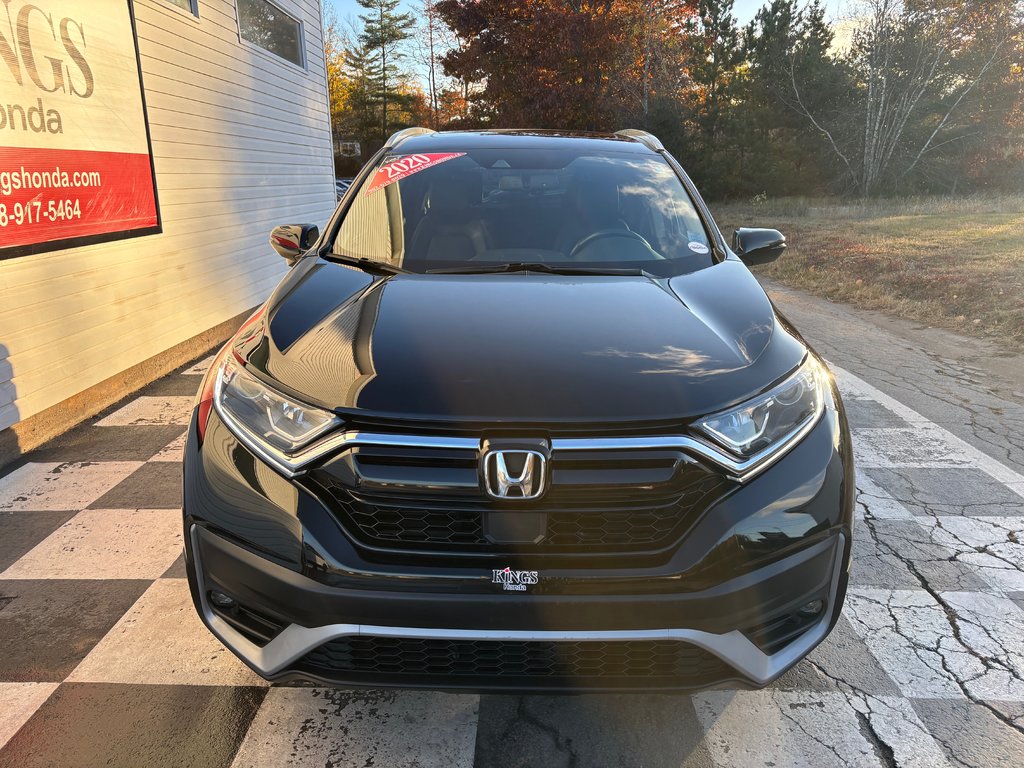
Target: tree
929,95
918,67
546,63
780,150
433,40
353,79
362,77
661,44
430,47
713,67
335,44
429,40
384,30
992,153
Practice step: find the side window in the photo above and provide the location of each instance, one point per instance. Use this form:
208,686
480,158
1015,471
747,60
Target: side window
192,6
263,23
366,231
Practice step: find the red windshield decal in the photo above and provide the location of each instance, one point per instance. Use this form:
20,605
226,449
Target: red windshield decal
397,170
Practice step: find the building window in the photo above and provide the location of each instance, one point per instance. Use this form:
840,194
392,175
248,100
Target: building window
346,148
192,6
264,24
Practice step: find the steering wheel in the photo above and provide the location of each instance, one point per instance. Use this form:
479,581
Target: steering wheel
604,234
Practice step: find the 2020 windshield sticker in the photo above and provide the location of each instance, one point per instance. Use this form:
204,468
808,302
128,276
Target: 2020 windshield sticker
397,170
514,581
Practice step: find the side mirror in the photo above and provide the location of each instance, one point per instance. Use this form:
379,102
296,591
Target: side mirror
293,240
758,246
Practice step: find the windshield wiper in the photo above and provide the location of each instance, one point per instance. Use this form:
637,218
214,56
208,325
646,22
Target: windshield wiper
367,265
552,269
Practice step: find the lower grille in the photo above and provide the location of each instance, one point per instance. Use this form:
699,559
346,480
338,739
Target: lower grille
665,662
633,527
399,526
458,524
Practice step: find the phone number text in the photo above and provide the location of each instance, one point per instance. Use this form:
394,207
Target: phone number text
34,211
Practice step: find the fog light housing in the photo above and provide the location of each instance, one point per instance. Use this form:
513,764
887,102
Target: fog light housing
220,600
812,608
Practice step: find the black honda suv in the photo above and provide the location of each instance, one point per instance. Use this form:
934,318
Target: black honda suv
519,419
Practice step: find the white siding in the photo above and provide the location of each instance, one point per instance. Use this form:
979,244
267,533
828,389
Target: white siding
241,142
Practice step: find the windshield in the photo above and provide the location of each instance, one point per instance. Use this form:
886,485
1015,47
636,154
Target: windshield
491,208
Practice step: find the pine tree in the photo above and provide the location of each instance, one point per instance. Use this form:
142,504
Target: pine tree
362,76
384,30
787,42
713,68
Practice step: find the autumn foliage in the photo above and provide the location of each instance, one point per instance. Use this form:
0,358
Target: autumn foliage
913,95
548,62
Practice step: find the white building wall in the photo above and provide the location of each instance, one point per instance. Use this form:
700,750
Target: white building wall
241,142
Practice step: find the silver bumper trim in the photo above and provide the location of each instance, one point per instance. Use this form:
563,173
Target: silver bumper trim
733,647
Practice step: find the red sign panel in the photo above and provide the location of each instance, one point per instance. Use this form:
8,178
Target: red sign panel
75,159
397,170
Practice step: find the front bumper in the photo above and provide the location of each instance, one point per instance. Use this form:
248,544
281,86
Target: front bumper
722,606
216,563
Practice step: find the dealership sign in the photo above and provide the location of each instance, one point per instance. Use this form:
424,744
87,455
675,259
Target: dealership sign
75,159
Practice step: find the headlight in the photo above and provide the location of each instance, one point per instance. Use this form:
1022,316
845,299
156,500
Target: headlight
267,416
769,418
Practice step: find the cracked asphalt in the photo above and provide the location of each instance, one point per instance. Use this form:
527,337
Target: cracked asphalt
105,663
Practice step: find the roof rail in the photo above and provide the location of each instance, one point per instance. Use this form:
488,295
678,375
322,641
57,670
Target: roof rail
399,136
649,140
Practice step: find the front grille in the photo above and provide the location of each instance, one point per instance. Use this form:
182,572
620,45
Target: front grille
653,662
432,501
409,525
633,527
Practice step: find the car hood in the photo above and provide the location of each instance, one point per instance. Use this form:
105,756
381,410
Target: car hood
524,348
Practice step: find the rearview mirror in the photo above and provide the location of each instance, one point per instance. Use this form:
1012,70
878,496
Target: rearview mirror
293,240
758,246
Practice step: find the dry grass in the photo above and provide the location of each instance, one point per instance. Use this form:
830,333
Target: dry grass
953,263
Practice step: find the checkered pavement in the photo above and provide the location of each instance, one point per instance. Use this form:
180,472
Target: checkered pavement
104,662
